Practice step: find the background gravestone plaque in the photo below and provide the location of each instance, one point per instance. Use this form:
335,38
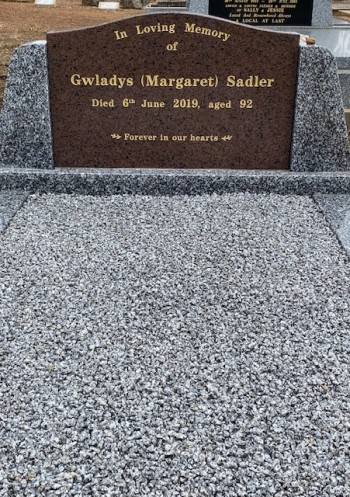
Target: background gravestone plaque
272,13
264,12
172,91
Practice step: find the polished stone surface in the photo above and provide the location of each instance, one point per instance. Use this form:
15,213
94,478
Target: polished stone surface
251,130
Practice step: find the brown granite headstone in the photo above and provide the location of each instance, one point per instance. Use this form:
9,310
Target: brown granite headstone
172,91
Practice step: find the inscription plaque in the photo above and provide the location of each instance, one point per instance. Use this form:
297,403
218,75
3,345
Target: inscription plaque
264,12
172,91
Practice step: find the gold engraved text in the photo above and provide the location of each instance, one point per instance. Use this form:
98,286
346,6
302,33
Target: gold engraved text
250,82
98,80
193,28
178,83
157,28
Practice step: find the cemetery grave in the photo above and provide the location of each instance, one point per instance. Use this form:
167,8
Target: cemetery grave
174,262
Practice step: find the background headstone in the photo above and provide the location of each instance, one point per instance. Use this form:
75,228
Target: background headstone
45,3
108,5
307,12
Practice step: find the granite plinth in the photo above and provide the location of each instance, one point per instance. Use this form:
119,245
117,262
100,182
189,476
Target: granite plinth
25,129
321,12
172,182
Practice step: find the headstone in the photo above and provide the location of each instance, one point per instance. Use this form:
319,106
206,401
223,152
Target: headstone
290,12
174,91
108,5
90,3
160,104
276,13
45,3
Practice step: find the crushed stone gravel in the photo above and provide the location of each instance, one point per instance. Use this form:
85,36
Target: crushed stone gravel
173,346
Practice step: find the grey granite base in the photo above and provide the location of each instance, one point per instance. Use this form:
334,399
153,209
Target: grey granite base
10,203
320,141
336,209
321,13
25,128
172,182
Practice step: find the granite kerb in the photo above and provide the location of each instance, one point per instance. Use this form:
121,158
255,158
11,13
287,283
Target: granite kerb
172,182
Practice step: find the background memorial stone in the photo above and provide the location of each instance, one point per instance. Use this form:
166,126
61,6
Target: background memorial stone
321,9
45,3
276,13
108,5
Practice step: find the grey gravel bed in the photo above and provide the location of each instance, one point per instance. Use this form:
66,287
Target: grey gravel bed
183,346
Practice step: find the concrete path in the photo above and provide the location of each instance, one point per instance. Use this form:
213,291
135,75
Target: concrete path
174,346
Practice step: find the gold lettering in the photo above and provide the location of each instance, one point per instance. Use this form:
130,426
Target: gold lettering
75,79
152,105
178,83
203,138
157,28
129,137
250,82
98,102
97,80
192,28
120,35
89,81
